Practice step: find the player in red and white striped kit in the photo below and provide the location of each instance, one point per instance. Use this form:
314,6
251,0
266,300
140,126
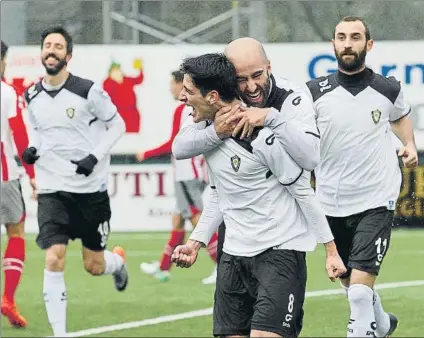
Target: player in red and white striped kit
12,203
189,187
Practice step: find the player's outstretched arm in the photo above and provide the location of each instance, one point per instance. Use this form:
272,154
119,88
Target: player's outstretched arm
302,191
294,126
193,140
210,219
185,255
197,138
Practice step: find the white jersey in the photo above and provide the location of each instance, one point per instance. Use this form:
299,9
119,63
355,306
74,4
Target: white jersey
69,122
359,168
9,109
258,210
292,119
188,169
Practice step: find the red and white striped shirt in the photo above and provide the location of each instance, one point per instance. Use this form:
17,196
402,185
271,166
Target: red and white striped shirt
184,170
12,124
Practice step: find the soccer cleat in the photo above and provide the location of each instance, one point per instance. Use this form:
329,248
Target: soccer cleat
10,311
211,279
163,276
150,268
393,324
153,269
121,276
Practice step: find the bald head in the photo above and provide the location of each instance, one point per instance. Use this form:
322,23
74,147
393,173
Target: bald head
242,49
253,70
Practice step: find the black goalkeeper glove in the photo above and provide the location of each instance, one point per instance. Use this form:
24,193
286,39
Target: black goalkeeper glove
86,165
29,155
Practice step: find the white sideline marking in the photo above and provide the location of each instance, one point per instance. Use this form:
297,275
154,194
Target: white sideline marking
209,311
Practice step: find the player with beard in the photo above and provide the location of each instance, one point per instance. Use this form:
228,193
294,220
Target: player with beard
257,87
73,126
358,177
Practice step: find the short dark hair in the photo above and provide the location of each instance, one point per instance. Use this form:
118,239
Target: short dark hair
212,71
177,75
4,49
352,18
62,31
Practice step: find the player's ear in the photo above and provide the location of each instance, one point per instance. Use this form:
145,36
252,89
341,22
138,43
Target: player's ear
68,58
212,97
370,44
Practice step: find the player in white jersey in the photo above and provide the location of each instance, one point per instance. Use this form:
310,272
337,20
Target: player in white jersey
270,211
12,203
258,88
358,179
73,126
189,187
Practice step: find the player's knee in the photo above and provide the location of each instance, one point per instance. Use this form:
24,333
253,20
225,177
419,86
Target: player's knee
94,267
55,259
16,230
177,222
360,295
195,219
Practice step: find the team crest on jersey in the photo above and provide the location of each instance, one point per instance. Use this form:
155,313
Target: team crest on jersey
376,114
235,162
70,112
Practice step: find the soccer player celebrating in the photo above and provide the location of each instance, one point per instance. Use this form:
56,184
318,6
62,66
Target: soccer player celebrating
73,127
189,187
257,87
358,177
269,208
12,202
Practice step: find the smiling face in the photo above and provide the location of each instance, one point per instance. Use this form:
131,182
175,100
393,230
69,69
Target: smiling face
253,81
203,108
351,45
253,70
54,54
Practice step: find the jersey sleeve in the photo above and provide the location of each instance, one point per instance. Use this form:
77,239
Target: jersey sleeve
296,129
33,133
305,197
210,219
212,180
101,104
272,154
400,108
194,139
19,130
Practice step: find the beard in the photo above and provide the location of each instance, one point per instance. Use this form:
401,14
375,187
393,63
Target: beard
354,65
264,91
54,70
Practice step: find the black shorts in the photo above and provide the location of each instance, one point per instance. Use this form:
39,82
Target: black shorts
221,237
363,239
265,292
64,215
